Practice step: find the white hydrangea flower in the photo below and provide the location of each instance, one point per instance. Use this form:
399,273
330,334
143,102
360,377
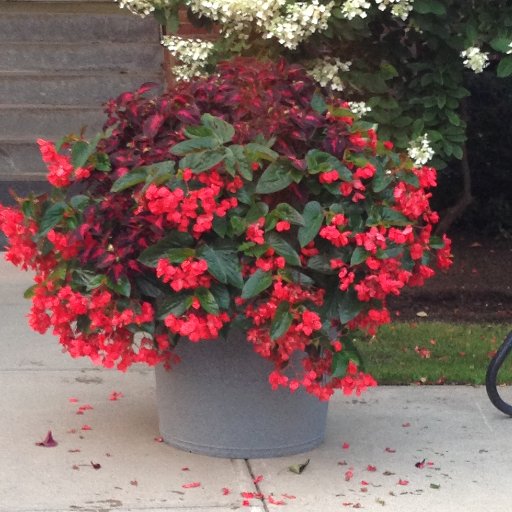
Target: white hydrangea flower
420,151
299,21
352,8
398,8
509,51
141,7
359,108
327,72
475,59
192,53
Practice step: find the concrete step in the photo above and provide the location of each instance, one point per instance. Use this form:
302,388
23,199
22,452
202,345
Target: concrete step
20,158
67,27
70,56
69,89
53,122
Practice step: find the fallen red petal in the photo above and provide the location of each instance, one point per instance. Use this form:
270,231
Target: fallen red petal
115,395
226,491
48,441
405,425
289,496
364,483
371,468
86,427
273,501
159,439
346,446
390,450
348,475
258,479
185,469
246,503
342,463
73,400
403,482
134,482
191,485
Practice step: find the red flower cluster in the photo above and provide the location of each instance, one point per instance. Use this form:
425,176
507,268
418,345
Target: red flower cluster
230,199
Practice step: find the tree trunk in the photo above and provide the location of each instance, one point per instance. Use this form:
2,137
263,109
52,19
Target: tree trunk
450,215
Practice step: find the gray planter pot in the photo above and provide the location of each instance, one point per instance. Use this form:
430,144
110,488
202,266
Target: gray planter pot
218,402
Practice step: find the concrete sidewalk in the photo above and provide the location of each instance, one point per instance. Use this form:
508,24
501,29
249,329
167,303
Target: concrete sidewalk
464,441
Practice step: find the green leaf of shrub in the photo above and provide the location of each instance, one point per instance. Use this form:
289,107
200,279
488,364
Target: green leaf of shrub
80,153
202,160
313,218
51,217
289,213
349,306
122,286
358,256
276,176
505,67
175,240
222,130
282,321
258,282
194,145
223,264
283,248
132,178
175,304
207,300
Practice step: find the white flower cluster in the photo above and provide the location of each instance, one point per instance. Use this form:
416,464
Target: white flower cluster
192,53
420,151
327,72
289,22
352,8
475,59
509,51
141,7
298,22
399,8
359,108
237,16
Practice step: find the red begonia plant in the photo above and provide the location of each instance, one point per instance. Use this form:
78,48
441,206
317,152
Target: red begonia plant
245,199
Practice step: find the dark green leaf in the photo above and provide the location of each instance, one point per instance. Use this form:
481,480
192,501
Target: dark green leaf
313,218
221,294
505,67
51,217
132,178
429,7
276,176
88,278
148,287
222,130
283,248
321,263
194,145
260,152
258,282
207,300
349,306
102,162
202,160
358,256
223,264
122,286
79,202
80,153
175,304
256,211
282,321
175,240
289,213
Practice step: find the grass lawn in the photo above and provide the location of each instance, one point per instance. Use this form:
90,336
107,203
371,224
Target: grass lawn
433,352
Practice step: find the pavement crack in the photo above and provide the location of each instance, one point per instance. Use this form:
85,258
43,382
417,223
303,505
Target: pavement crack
256,485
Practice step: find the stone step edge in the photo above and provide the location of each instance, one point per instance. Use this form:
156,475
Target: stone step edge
74,74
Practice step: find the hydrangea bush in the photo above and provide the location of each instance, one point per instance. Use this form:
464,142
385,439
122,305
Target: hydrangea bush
409,62
244,200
